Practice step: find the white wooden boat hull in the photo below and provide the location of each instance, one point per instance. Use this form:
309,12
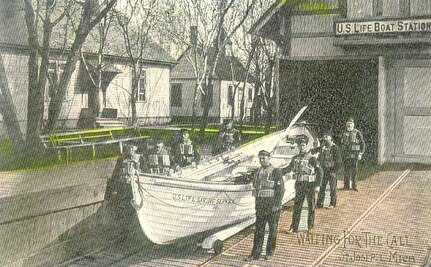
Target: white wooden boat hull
169,210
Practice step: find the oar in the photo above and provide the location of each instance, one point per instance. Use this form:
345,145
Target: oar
294,120
297,116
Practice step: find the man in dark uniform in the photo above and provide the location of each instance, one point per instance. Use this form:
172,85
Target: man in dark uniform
228,138
330,161
159,160
268,189
308,175
185,153
353,147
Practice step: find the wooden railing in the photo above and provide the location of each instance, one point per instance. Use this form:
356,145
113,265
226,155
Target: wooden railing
91,138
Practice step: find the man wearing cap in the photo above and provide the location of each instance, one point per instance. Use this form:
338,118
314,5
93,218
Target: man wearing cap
268,189
330,161
308,175
184,151
353,147
159,159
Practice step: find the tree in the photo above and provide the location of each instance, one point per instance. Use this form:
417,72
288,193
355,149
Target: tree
210,24
257,54
50,14
38,74
222,37
135,22
92,13
95,75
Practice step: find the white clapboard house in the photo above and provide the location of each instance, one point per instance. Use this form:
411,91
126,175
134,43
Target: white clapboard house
153,98
225,92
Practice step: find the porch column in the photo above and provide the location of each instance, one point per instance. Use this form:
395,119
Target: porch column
381,110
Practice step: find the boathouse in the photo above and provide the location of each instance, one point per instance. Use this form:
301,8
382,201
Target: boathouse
370,60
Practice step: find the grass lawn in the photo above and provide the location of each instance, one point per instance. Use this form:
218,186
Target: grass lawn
50,157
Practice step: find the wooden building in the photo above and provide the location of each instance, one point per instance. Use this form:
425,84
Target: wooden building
228,89
153,92
367,59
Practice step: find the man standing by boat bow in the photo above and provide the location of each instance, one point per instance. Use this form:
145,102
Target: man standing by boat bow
268,189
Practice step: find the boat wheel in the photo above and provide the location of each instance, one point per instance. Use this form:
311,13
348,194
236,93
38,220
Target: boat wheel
218,247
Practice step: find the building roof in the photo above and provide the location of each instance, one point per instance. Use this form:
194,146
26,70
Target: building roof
268,25
14,33
184,68
13,29
263,20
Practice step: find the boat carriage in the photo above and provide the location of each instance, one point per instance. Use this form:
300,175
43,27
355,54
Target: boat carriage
212,195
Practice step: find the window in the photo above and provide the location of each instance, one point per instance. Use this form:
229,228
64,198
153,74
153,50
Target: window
209,93
230,95
377,8
342,6
176,95
250,94
420,7
142,86
54,72
405,7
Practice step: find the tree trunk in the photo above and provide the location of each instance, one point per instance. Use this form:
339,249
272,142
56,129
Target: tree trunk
8,111
133,96
33,130
269,116
276,90
247,67
93,101
256,100
233,96
56,103
194,107
34,115
207,105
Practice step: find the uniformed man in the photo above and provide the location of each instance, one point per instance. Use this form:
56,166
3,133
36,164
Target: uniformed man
353,147
185,153
130,161
330,161
308,175
268,189
159,159
228,138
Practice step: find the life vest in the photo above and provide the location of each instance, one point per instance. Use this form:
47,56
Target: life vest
351,141
184,154
127,167
159,163
327,158
186,149
264,183
302,171
229,136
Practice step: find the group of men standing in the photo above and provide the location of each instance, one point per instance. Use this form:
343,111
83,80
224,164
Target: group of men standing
311,174
160,160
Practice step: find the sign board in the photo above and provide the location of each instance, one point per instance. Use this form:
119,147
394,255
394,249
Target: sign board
382,26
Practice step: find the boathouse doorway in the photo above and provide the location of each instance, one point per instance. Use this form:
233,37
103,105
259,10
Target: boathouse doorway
334,90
